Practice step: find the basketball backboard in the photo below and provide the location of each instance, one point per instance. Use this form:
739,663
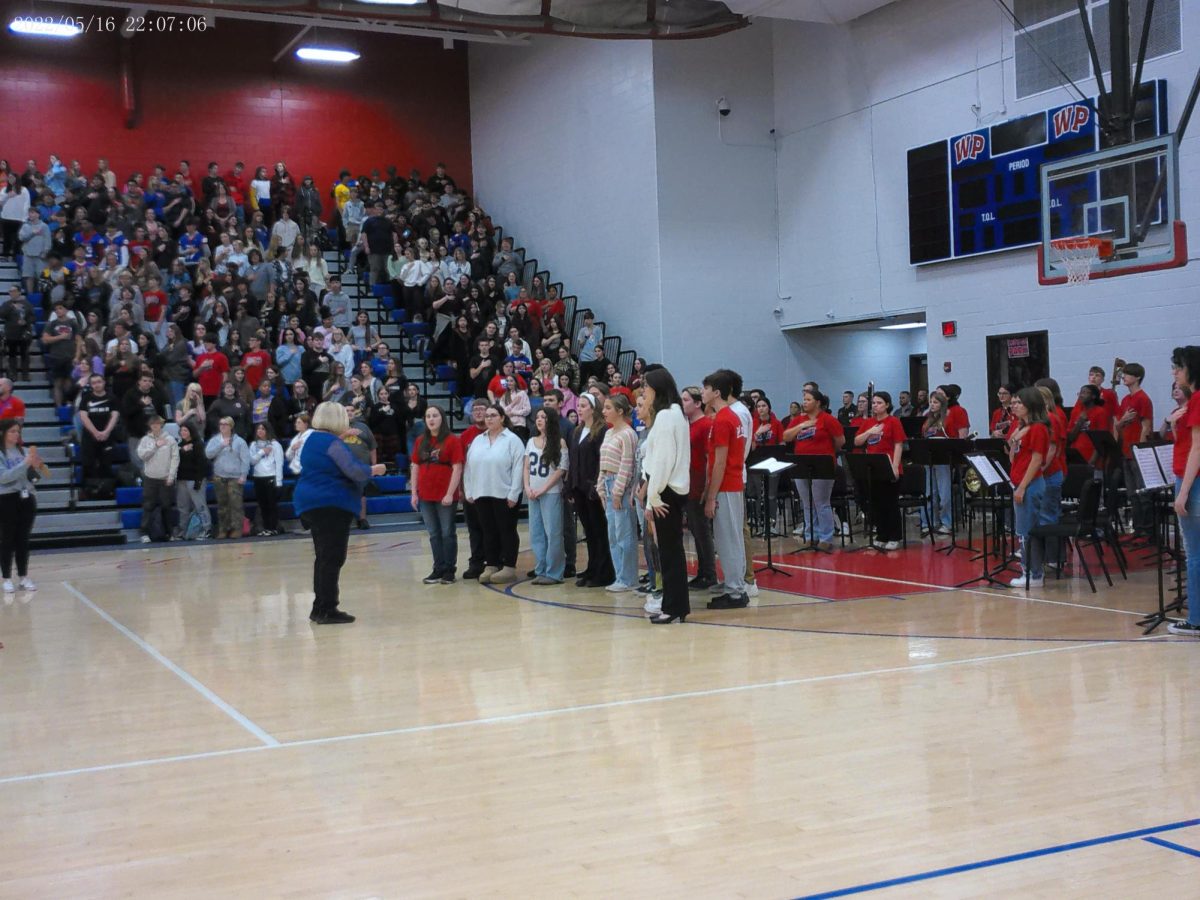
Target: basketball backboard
1129,195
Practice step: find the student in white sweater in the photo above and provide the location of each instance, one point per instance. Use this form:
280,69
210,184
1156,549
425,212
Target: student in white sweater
266,471
492,480
665,465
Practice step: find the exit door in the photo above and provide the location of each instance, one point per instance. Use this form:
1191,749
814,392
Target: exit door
1019,359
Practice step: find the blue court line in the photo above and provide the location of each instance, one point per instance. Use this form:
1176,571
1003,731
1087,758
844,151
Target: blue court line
1005,860
1172,846
618,612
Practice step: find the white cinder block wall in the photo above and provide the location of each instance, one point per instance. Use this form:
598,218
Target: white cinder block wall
606,161
562,135
849,103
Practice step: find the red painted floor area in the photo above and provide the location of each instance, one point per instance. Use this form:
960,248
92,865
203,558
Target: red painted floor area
849,576
842,575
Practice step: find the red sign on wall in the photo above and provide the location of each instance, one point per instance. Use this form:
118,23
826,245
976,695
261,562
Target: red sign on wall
1018,348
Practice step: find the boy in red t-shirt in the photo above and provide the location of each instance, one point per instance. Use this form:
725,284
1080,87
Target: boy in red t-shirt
255,361
1108,397
1133,424
724,503
210,368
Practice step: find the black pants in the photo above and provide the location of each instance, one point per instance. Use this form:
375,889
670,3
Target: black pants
1141,507
9,234
671,557
885,510
499,524
475,536
96,457
16,523
266,492
595,534
414,300
18,360
157,500
568,519
330,528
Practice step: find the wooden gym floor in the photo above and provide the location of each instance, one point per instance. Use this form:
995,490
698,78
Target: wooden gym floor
171,725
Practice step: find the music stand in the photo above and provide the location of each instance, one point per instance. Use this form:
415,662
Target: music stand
809,467
912,426
868,469
769,463
997,483
920,453
1154,466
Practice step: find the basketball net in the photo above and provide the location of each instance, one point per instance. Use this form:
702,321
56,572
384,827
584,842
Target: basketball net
1079,255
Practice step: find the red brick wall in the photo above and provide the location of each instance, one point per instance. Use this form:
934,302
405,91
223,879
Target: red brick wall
217,96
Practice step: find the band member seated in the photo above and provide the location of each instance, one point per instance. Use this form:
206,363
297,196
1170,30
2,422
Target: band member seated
883,434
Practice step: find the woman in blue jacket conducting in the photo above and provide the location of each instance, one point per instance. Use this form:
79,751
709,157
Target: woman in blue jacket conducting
327,500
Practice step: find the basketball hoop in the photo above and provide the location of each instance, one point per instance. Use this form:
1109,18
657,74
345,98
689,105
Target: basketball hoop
1079,255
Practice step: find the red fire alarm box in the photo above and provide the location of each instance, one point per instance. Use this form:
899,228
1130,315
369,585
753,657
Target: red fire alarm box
949,329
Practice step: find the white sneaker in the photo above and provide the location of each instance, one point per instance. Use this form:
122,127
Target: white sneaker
1018,583
653,605
1184,628
751,589
27,584
892,545
617,588
8,587
145,538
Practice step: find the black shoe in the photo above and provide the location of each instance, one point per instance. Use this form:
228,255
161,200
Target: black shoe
532,573
569,572
364,524
583,582
337,617
729,601
664,619
701,583
471,574
447,578
644,579
434,577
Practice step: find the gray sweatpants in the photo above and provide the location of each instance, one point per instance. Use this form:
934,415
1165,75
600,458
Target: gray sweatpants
727,534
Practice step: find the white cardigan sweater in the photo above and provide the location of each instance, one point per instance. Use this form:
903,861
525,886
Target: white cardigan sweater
668,455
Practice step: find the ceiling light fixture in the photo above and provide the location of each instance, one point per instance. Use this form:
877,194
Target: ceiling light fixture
32,27
903,326
326,54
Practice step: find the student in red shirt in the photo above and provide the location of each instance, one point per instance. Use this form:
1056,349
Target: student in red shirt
958,423
1186,463
860,420
1133,424
1028,447
255,362
210,368
1003,419
724,502
884,435
816,433
477,560
699,426
1088,414
436,473
1108,397
1054,468
767,429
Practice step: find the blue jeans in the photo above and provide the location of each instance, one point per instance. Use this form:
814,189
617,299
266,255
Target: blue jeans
622,536
938,486
1025,516
439,522
545,533
822,490
1050,510
1189,527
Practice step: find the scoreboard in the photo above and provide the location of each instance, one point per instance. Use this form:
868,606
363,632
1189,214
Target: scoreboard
979,192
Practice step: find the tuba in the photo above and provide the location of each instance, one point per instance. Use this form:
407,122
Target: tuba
972,483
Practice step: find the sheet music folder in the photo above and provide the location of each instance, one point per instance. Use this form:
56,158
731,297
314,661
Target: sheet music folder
991,474
1154,464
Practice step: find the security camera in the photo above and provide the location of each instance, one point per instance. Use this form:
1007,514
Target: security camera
723,107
